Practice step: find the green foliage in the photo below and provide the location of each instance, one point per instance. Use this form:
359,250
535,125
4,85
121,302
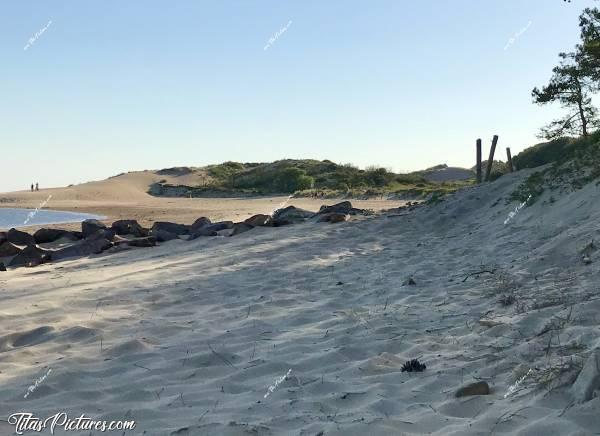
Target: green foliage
559,151
533,186
571,86
308,176
292,179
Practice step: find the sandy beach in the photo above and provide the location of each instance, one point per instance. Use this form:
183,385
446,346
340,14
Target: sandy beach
188,337
126,197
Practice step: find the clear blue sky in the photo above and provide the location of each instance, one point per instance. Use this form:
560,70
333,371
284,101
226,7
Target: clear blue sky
114,86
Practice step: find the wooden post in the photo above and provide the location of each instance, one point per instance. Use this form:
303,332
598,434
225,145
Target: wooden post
478,161
510,164
488,170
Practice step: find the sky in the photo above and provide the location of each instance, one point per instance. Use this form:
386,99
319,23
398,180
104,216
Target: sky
92,89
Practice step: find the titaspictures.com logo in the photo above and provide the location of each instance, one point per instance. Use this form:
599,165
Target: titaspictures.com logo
26,422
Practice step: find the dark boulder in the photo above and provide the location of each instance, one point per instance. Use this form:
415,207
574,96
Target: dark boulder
102,234
478,388
342,207
43,236
178,229
82,248
164,236
345,207
221,225
31,256
290,215
260,220
148,241
332,217
18,237
2,267
7,249
129,227
211,229
91,226
240,228
202,232
199,223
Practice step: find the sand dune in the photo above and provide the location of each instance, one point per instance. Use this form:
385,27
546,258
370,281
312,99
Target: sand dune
186,338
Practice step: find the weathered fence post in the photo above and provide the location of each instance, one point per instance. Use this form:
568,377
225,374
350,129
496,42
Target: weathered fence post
509,157
479,161
488,170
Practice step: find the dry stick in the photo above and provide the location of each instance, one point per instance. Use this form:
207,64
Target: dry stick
140,366
253,350
202,416
477,273
221,357
488,170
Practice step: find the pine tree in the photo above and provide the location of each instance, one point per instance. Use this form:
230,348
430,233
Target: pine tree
570,85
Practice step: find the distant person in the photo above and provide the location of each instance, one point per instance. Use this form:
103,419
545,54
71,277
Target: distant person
32,187
37,187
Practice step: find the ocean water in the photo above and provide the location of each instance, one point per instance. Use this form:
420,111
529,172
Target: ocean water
18,218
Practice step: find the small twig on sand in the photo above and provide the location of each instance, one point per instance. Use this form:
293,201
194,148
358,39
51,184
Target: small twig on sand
479,272
253,350
143,367
504,418
202,416
221,357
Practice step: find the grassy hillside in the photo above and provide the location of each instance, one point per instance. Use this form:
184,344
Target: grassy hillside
304,177
571,163
559,151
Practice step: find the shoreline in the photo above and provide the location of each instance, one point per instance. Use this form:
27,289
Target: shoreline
181,210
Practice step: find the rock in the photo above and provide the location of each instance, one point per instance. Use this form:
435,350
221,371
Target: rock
2,237
479,388
178,229
409,282
204,231
260,220
31,256
19,238
102,234
211,229
221,225
290,215
2,267
199,223
240,228
588,379
148,241
129,227
332,217
345,208
164,236
44,236
91,226
586,260
85,247
7,249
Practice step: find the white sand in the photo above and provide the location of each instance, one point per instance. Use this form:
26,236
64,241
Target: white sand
186,338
